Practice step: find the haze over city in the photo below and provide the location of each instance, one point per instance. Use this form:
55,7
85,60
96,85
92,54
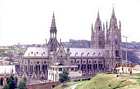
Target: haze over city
28,21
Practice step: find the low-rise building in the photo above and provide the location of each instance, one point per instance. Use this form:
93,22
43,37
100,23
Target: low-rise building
55,70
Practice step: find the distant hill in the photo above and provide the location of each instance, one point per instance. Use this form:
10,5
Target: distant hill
132,56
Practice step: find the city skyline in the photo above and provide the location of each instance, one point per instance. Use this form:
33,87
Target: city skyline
29,22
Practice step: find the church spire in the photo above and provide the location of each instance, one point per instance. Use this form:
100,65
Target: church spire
53,43
53,25
98,16
103,27
113,20
113,13
91,28
98,24
97,37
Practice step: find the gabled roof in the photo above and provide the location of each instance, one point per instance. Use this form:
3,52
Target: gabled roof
87,52
36,52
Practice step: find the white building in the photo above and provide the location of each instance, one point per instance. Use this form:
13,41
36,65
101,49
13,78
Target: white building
55,70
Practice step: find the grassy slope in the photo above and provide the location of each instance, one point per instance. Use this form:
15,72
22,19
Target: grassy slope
66,85
109,81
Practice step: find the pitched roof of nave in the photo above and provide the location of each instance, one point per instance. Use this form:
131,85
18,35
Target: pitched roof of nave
36,52
86,52
43,52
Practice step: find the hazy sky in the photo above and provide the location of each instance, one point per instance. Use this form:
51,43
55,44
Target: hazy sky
28,21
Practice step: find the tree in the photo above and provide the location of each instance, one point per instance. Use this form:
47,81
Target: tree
22,85
63,76
11,83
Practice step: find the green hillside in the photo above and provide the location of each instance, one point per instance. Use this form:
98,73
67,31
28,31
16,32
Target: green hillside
110,81
106,81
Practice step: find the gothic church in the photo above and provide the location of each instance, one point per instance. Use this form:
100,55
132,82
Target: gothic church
102,56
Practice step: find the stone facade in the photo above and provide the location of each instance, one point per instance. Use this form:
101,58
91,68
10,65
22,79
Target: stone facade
103,56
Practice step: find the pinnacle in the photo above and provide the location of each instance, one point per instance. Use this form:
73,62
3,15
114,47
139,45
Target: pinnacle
113,13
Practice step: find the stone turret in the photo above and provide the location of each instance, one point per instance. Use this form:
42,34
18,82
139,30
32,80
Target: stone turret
53,43
113,40
98,35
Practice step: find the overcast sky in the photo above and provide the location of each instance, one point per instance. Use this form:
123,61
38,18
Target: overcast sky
28,21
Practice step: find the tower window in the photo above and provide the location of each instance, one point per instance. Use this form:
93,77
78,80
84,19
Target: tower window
116,42
117,53
37,62
99,28
89,61
77,61
71,61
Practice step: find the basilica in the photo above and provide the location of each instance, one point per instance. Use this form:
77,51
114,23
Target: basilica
102,56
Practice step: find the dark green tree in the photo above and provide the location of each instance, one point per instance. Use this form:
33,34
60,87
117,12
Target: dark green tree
11,83
63,77
22,85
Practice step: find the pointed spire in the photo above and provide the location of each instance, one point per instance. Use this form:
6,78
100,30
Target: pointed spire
53,21
98,15
98,24
120,25
113,21
53,24
113,13
46,41
91,28
106,25
60,40
61,44
103,27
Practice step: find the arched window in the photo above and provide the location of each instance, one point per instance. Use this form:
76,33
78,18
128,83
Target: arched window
77,61
45,62
88,54
117,53
93,54
76,53
82,53
89,61
72,61
99,28
99,54
37,62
